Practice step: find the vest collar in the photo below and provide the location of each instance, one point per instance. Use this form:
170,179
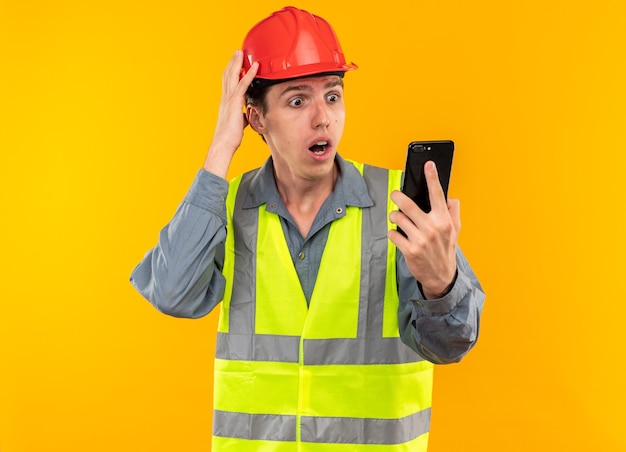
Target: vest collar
350,189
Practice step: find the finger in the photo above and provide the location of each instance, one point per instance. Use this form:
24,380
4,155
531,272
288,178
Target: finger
396,217
232,68
407,206
454,208
435,190
409,218
396,238
246,80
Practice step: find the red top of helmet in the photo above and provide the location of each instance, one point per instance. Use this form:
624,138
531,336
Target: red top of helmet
293,43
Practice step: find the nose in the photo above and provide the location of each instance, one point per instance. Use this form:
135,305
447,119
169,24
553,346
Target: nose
321,117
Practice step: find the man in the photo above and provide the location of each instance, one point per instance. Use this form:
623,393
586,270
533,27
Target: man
327,336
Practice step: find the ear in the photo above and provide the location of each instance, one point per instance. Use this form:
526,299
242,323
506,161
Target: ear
255,119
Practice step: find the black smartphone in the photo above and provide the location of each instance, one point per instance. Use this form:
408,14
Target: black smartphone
418,153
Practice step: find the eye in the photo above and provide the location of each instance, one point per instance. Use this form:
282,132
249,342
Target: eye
332,98
296,102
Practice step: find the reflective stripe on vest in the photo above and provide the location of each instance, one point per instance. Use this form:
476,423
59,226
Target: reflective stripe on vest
274,427
335,372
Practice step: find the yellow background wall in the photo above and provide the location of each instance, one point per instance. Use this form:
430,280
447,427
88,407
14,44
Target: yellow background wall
108,108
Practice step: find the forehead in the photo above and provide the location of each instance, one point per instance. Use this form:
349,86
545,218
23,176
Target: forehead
312,83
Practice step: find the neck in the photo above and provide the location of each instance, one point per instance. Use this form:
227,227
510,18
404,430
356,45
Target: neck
303,198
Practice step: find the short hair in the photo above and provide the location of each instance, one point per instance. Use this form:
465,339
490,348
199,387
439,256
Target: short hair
257,95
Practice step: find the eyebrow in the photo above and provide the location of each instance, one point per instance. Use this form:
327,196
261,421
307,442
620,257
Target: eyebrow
331,84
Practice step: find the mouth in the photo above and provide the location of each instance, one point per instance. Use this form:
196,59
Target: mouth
319,147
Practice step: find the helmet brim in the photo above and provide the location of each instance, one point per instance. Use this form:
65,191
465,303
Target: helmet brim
303,71
264,82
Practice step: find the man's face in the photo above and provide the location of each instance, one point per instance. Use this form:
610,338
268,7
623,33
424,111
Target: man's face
302,125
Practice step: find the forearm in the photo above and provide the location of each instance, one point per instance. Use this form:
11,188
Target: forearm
181,276
441,330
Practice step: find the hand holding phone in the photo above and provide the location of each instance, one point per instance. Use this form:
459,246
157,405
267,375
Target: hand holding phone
433,263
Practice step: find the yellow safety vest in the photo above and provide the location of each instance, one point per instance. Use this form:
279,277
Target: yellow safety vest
332,376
